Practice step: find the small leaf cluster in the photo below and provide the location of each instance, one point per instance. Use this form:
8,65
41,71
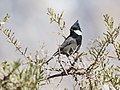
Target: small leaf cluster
20,75
58,18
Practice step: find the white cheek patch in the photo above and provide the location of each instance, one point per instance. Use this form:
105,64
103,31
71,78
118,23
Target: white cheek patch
78,32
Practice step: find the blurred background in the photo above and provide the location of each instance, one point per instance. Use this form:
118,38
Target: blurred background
32,27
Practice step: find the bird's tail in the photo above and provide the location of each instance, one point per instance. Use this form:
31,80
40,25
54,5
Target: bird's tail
49,59
55,54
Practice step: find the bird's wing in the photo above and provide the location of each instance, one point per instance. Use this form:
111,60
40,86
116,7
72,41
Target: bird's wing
67,42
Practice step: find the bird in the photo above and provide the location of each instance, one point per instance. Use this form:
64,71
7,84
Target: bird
72,43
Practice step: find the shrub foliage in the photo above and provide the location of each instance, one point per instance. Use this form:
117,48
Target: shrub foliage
89,70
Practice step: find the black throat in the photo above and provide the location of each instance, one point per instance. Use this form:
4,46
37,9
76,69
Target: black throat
77,37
